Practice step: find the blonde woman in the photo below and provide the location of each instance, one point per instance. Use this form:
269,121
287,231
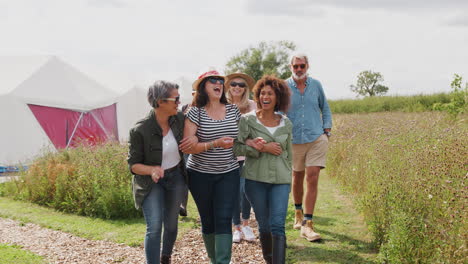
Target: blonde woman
238,90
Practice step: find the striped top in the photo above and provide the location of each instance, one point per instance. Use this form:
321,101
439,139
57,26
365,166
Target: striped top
216,160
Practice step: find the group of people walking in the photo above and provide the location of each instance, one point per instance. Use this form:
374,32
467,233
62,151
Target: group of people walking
241,154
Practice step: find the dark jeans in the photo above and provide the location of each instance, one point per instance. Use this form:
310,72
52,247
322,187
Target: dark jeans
161,206
244,205
185,195
270,204
214,195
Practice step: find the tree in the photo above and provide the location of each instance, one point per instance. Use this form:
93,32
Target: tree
267,58
459,98
368,84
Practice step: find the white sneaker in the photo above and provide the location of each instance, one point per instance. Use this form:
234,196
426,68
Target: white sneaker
236,236
248,233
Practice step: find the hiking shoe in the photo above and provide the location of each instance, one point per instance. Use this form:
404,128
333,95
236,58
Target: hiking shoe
298,218
236,236
248,233
307,231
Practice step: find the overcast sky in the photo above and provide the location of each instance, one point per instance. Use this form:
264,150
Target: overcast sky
417,45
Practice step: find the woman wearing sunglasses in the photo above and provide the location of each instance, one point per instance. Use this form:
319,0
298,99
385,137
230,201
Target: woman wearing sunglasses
265,139
239,85
158,168
213,169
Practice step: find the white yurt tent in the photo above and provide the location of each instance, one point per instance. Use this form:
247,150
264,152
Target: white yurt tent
185,89
131,107
46,103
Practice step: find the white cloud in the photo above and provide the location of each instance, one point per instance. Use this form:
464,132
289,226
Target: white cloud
282,8
417,5
458,21
125,42
107,3
306,7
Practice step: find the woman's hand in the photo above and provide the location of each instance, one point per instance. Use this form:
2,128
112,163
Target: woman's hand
273,148
157,173
224,142
257,143
187,143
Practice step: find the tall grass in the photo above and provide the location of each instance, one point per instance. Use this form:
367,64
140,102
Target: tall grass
416,103
87,180
408,173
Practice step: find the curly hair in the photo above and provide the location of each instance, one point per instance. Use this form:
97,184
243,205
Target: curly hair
281,89
200,98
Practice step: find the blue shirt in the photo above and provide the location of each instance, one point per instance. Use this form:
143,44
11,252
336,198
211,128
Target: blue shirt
309,112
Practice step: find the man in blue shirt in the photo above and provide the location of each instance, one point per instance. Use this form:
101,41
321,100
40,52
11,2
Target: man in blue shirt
312,122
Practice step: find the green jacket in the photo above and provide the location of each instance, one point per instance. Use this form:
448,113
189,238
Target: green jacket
145,147
260,166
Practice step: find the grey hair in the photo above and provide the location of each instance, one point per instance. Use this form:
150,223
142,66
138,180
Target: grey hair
159,91
300,56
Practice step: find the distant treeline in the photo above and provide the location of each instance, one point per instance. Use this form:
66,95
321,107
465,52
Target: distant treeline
415,103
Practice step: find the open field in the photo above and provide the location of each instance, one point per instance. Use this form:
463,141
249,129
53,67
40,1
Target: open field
408,174
405,172
415,103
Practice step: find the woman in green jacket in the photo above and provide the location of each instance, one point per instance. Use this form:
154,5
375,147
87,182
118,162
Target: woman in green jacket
265,139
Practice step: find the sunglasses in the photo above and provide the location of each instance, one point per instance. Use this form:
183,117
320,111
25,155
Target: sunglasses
240,84
213,80
176,100
300,65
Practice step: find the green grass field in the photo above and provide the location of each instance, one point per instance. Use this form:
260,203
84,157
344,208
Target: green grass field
405,172
408,173
415,103
13,254
345,236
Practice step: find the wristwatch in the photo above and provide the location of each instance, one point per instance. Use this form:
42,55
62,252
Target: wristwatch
328,133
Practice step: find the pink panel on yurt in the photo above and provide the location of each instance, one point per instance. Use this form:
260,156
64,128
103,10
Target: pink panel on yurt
108,118
61,126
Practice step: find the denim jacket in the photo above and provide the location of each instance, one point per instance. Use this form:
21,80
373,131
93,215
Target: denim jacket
145,147
309,112
261,166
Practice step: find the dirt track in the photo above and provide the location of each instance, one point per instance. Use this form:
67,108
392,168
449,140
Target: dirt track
60,247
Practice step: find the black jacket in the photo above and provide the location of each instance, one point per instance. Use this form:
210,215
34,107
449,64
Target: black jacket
145,147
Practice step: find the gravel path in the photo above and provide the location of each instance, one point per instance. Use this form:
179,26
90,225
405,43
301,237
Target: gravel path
59,247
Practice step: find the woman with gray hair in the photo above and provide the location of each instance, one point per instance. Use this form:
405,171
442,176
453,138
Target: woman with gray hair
158,170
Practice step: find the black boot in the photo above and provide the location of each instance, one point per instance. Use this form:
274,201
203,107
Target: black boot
267,247
182,211
165,259
279,249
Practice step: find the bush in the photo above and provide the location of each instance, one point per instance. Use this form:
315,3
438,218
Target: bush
408,174
87,180
458,99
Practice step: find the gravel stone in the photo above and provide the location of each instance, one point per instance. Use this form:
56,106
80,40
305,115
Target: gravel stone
59,247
